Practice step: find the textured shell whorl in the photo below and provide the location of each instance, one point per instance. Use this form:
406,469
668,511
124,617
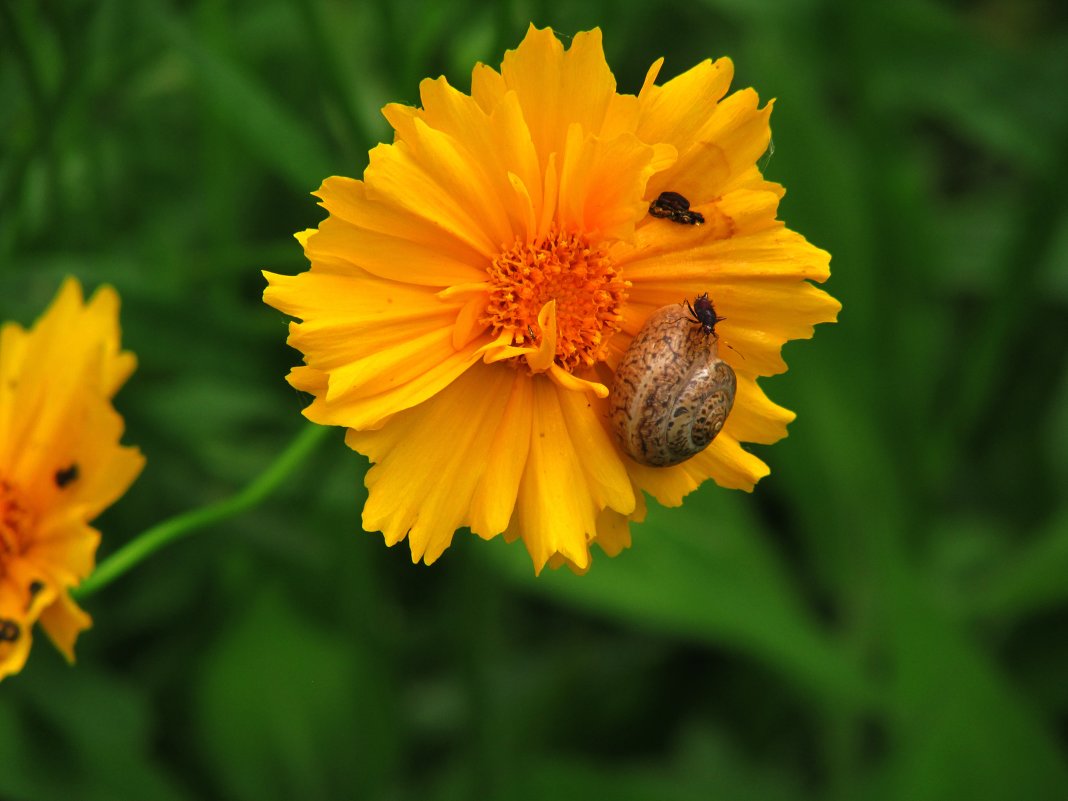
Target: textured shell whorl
672,393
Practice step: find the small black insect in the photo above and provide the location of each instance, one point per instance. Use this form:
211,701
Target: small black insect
703,313
66,476
673,206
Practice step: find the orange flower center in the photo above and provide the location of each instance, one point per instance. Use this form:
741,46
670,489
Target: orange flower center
14,520
580,277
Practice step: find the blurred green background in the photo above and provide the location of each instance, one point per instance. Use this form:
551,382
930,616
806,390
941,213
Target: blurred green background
886,617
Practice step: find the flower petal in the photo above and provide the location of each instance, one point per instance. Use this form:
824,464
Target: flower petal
407,494
724,461
392,238
494,499
41,409
727,463
573,472
64,548
383,346
487,87
496,146
723,156
13,652
426,179
763,314
542,359
743,241
468,325
557,88
356,409
602,181
105,469
63,621
669,485
677,111
606,476
755,276
574,383
755,418
613,531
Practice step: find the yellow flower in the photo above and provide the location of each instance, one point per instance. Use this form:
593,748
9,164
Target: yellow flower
469,299
60,463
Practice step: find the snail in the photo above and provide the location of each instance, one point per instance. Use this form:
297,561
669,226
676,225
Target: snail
672,393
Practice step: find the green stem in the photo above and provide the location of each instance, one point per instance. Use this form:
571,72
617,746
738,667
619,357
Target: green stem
159,535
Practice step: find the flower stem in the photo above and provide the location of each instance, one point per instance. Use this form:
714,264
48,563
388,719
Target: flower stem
159,535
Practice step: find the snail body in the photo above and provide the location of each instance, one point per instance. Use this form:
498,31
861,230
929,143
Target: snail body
672,393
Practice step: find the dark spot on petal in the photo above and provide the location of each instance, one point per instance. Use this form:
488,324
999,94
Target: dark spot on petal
66,476
9,630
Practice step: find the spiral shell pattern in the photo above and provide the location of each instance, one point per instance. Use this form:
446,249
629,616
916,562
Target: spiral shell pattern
672,393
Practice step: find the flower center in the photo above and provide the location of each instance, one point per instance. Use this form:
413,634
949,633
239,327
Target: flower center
15,520
587,288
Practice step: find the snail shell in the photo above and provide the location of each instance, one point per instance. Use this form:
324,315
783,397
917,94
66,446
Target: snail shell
672,393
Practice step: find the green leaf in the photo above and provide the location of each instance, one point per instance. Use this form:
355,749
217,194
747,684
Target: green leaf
1036,578
961,730
290,711
704,764
74,732
248,108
